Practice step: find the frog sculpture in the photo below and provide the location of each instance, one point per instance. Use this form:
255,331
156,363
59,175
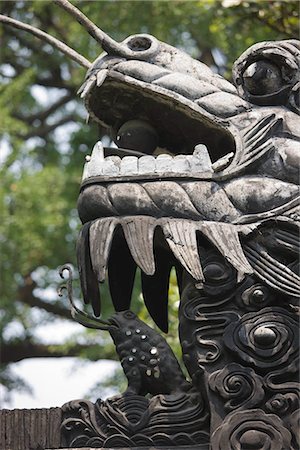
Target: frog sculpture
203,178
176,411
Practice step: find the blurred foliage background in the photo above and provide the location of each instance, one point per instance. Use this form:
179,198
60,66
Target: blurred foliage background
44,139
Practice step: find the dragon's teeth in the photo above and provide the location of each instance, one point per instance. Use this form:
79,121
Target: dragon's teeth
111,166
129,165
101,76
226,239
88,280
200,149
87,87
180,164
181,237
163,163
146,164
222,162
101,234
139,234
201,161
94,163
98,152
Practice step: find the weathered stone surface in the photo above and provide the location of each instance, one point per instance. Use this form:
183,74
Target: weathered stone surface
224,207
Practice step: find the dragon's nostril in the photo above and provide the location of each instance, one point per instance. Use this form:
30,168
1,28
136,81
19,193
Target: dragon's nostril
140,46
139,43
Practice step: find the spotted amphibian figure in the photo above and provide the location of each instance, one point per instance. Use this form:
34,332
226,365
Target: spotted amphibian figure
148,361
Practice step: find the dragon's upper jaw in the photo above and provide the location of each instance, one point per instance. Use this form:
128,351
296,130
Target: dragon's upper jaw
184,110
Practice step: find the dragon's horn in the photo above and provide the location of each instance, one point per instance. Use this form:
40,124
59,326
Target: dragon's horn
106,42
47,38
112,47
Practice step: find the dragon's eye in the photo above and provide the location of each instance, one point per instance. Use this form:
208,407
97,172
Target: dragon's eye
262,78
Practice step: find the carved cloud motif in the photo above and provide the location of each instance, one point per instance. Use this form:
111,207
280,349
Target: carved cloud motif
267,341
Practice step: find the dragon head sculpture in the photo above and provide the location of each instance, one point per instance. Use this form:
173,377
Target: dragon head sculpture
195,156
196,159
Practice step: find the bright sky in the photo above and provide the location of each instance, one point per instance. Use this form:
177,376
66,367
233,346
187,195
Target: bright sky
55,381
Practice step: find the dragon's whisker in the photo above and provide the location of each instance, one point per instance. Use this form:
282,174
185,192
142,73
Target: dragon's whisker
68,51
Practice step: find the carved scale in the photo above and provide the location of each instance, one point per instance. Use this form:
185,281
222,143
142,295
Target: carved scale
203,178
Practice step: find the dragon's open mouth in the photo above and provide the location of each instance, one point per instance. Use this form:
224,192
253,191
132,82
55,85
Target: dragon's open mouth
177,122
177,109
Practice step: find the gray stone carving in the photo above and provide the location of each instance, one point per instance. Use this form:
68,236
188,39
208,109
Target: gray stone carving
225,206
203,178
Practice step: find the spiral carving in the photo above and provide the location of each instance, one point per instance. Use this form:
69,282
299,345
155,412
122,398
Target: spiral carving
282,404
267,340
294,425
238,385
253,296
251,429
220,276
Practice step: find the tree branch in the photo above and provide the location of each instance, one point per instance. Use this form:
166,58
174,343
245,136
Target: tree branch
53,308
68,51
18,350
46,129
51,82
43,115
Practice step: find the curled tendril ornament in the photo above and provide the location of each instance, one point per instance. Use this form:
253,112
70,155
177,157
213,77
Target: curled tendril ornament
282,404
239,385
251,429
268,340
